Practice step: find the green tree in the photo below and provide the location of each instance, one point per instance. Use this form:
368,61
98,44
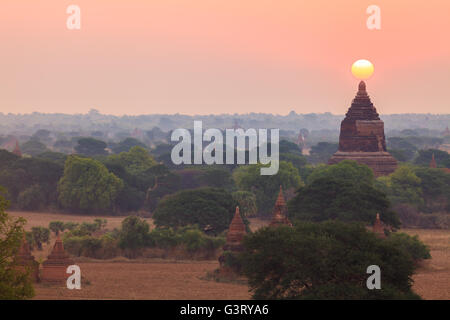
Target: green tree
127,144
332,199
13,284
424,157
33,147
40,235
435,185
402,187
134,233
325,260
347,170
90,147
56,226
32,198
266,188
322,152
204,207
87,186
247,203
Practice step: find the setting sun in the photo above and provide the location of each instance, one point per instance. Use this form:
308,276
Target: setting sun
362,69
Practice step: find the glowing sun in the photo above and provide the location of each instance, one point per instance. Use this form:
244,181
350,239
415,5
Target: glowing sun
362,69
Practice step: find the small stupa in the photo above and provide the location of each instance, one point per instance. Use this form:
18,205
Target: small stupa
433,163
54,268
16,150
378,228
279,211
236,233
25,262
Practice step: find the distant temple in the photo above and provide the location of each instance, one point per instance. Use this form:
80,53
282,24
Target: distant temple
362,136
446,133
279,211
54,268
300,140
236,233
16,150
25,261
378,228
433,163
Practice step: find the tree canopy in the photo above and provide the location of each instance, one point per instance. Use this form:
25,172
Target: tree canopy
329,198
266,188
204,207
87,186
13,284
326,260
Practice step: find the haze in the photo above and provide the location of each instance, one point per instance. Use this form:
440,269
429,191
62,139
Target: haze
214,57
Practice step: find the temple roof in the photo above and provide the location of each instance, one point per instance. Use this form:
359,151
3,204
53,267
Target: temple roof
279,211
378,228
236,231
24,253
362,108
433,163
58,255
16,150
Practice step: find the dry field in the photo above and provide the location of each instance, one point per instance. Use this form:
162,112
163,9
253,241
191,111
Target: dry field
42,219
156,280
432,280
164,279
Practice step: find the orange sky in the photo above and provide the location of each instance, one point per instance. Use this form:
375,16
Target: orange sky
214,56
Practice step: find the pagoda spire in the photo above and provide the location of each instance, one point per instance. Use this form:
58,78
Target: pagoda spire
236,232
25,261
378,227
433,163
54,268
16,150
279,211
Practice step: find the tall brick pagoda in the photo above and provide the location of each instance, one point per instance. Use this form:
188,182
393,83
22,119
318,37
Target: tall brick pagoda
54,268
362,136
25,261
279,212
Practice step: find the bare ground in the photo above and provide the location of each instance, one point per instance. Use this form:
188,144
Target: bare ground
162,279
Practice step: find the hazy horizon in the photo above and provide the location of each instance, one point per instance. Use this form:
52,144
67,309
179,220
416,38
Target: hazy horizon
166,57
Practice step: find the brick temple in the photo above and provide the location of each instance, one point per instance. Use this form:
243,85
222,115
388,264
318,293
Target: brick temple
236,233
54,268
25,261
279,212
362,136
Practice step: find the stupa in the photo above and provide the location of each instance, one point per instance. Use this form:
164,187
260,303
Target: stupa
378,228
54,268
433,163
362,136
16,150
25,261
236,233
279,211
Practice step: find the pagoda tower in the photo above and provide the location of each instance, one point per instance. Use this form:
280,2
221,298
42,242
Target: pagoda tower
378,228
16,150
54,268
279,211
362,136
25,261
236,233
433,163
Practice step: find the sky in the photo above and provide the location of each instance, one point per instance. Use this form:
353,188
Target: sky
214,56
